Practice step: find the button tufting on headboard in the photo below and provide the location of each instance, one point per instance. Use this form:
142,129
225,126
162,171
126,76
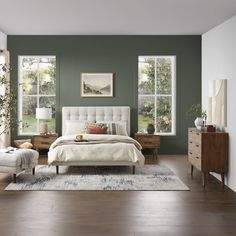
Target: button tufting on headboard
93,114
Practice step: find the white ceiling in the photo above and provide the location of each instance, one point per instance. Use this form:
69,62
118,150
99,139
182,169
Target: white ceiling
113,17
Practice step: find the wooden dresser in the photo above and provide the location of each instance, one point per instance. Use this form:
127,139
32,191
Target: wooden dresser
41,141
149,141
208,152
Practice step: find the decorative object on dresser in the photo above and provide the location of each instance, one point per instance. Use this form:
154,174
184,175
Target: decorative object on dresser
196,112
44,141
208,152
149,141
210,128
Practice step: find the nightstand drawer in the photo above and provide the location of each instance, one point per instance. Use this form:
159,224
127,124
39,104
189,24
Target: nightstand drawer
42,145
148,141
43,141
46,139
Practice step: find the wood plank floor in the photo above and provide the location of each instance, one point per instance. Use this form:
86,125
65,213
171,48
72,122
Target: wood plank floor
123,213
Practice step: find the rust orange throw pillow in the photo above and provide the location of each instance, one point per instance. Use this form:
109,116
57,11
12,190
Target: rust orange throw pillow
97,130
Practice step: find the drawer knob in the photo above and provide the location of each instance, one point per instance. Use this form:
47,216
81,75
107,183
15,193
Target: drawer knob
190,142
197,157
45,143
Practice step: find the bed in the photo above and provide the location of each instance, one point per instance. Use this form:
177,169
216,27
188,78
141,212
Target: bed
101,149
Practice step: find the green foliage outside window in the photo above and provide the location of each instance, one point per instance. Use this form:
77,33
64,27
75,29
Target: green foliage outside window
155,93
38,82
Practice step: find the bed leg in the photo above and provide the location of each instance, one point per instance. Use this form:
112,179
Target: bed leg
14,178
133,170
33,171
57,170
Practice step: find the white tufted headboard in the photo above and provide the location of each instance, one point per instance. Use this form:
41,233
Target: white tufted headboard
93,114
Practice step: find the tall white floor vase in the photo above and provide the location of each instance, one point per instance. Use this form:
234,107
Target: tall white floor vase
5,138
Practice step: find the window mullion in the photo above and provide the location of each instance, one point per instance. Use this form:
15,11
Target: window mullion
38,92
155,91
20,101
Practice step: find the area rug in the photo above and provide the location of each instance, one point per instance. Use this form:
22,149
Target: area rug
149,177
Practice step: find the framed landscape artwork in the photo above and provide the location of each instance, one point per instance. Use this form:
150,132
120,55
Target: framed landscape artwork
97,85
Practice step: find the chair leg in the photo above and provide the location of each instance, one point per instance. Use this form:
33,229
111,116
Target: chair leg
57,170
133,170
14,178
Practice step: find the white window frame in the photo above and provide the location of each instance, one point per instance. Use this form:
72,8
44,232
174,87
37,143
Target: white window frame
20,93
173,93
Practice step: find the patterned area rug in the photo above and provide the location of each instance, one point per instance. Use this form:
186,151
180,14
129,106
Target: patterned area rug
149,177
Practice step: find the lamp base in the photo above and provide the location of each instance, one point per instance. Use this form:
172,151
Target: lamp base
44,128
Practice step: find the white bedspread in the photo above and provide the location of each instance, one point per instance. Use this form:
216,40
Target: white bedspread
104,152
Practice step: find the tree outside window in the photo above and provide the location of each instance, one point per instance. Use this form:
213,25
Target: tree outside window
156,89
37,88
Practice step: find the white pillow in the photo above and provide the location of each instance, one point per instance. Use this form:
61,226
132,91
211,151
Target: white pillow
119,127
74,127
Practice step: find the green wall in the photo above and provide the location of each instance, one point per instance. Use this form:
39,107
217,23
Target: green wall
117,54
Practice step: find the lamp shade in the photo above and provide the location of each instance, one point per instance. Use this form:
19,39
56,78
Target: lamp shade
44,113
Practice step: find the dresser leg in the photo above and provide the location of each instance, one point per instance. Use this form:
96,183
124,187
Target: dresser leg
33,171
192,170
204,174
223,180
57,170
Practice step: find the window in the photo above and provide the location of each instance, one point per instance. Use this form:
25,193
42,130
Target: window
156,93
37,88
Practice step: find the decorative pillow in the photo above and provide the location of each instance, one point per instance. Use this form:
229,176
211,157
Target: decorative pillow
74,127
21,141
89,125
26,145
97,130
119,128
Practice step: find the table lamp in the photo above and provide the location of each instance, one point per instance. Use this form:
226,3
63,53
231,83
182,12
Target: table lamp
44,114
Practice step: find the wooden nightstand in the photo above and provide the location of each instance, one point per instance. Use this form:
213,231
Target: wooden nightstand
149,141
41,141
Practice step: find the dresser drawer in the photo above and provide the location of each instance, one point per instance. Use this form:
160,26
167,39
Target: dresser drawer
195,159
195,137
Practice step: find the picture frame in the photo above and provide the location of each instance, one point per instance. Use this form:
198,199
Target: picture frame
96,84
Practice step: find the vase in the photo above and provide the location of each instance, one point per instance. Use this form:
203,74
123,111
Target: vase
150,129
199,122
